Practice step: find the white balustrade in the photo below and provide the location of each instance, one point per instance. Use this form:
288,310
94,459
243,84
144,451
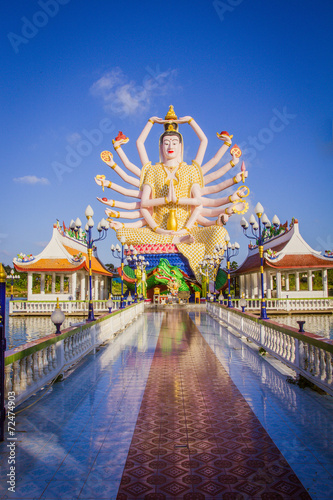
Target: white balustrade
25,307
308,356
34,365
310,304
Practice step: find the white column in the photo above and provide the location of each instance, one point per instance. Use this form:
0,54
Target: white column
96,286
255,285
42,283
269,285
62,283
310,280
83,287
287,282
73,285
102,296
241,284
325,282
278,285
53,283
30,275
246,286
297,281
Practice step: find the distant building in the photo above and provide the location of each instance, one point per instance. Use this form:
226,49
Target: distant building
288,260
61,270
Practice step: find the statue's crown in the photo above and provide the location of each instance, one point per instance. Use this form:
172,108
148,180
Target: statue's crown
171,115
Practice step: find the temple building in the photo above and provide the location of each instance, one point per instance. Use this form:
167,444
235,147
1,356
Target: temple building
61,270
290,266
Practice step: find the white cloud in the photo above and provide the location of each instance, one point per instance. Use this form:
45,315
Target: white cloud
31,179
41,244
125,97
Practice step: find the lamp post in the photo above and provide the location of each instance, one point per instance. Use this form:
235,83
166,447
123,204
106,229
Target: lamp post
13,277
57,317
231,250
2,350
109,303
260,234
118,253
102,228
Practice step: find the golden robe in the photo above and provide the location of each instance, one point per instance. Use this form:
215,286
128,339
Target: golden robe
205,238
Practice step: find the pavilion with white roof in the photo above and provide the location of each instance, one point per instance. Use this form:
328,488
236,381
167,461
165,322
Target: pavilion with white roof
285,255
62,269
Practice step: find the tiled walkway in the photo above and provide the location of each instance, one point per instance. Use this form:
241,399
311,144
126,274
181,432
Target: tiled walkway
155,415
195,436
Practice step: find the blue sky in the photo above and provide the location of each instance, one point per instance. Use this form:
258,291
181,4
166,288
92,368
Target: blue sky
260,70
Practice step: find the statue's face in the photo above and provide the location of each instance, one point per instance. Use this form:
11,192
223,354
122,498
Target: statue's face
171,147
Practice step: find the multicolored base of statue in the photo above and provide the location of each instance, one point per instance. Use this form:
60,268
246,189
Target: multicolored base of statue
169,277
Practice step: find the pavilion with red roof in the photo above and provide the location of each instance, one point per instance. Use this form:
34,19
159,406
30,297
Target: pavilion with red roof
287,260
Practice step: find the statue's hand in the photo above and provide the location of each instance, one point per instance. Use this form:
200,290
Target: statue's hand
101,181
222,219
237,207
235,160
184,119
159,230
239,176
171,194
115,225
225,138
241,193
181,232
155,119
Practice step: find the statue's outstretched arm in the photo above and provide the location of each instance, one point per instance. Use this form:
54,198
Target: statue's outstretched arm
199,132
214,161
120,225
221,171
205,222
128,178
120,204
101,181
126,162
236,196
140,143
225,184
209,212
123,215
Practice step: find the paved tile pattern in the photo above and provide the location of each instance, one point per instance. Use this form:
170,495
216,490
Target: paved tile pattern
196,438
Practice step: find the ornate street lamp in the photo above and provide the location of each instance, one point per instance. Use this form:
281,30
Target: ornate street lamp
102,228
109,303
230,250
57,317
13,277
260,233
2,350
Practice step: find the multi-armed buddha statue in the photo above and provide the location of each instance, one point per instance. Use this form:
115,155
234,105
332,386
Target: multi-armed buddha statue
172,205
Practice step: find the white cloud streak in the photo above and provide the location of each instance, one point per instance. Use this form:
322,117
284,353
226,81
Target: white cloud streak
31,180
125,97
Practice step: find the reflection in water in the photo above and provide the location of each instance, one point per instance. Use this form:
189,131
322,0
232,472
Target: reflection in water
320,324
23,329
